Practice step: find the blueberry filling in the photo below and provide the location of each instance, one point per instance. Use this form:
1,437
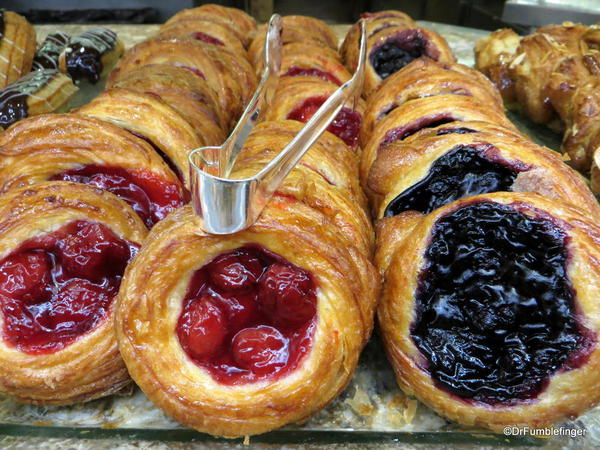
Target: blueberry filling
459,130
462,172
394,54
494,309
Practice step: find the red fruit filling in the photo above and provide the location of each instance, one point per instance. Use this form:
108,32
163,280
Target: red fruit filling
346,125
151,197
57,287
295,71
199,35
248,315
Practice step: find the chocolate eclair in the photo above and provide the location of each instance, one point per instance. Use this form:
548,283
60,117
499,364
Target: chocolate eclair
47,55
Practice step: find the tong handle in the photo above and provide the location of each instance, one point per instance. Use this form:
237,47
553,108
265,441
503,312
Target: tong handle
260,100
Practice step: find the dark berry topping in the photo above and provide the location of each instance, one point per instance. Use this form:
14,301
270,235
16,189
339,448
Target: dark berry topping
396,53
495,312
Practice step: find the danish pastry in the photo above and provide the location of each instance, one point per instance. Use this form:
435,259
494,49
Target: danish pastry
72,147
431,171
188,94
427,112
46,57
17,47
38,92
63,250
150,119
91,55
489,312
426,78
298,98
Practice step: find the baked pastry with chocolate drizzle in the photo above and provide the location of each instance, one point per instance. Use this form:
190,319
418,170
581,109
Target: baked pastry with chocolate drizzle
63,250
38,92
72,147
91,55
489,312
429,171
46,57
150,119
227,334
17,47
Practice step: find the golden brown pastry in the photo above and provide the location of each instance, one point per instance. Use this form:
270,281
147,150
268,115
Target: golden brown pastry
63,250
390,48
38,92
17,47
429,172
188,94
489,313
91,55
298,98
427,112
493,55
596,166
425,77
150,119
296,29
235,20
72,147
230,76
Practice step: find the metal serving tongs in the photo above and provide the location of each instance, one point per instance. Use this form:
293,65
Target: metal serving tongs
227,205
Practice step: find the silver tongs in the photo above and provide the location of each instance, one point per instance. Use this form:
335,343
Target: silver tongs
227,205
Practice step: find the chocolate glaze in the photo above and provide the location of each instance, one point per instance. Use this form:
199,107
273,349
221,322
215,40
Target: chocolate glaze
1,23
47,55
13,98
84,53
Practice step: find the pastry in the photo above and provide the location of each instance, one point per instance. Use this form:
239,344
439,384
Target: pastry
429,172
427,112
17,47
72,147
91,55
63,250
150,119
596,167
46,57
489,313
188,94
426,78
230,76
390,48
296,29
298,98
229,334
38,92
236,20
493,55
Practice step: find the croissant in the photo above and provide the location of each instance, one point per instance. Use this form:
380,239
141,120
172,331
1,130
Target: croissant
429,172
298,98
72,147
91,55
17,47
390,48
230,76
426,78
38,92
64,249
427,112
152,120
235,20
188,94
493,55
489,312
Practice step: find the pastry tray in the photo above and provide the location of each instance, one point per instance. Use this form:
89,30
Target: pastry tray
371,410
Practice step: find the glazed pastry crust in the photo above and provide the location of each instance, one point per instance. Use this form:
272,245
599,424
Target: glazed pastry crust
151,118
401,165
35,149
91,366
155,284
17,48
568,394
412,114
425,77
188,94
